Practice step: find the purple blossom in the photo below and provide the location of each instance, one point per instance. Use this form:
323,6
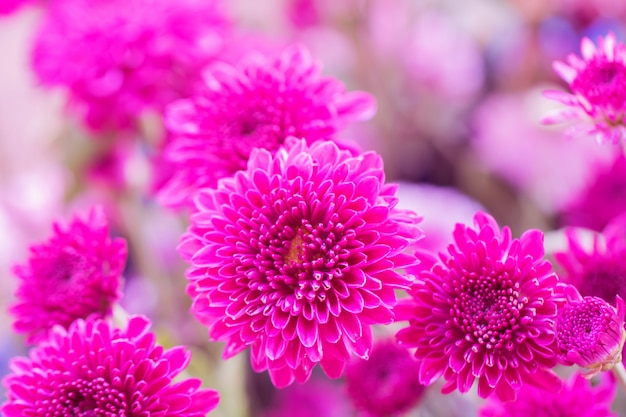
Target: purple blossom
484,311
74,274
257,104
296,257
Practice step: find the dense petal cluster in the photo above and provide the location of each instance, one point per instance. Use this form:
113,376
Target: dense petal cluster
94,370
257,104
578,398
118,58
597,270
74,274
485,311
387,384
598,98
296,257
590,332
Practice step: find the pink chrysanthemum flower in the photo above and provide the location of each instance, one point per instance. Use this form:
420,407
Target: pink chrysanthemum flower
598,98
590,332
118,58
485,311
296,257
258,104
578,398
94,370
603,199
599,269
76,273
387,384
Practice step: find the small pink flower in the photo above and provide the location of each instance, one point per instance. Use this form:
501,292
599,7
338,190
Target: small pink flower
257,104
387,384
485,311
577,398
297,256
599,269
94,370
119,58
597,103
590,332
76,273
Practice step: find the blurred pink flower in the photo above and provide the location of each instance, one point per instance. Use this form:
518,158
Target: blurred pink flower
511,142
257,104
118,58
92,369
431,41
74,274
484,312
602,199
597,103
387,384
578,397
296,257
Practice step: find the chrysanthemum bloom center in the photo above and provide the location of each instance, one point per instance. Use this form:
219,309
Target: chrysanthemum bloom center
306,266
62,268
84,398
605,279
488,308
602,83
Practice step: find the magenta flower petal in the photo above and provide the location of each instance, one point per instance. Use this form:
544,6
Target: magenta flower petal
259,103
296,258
485,311
598,100
577,398
92,369
76,273
118,58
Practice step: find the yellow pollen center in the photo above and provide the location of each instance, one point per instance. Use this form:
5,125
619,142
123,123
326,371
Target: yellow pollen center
295,248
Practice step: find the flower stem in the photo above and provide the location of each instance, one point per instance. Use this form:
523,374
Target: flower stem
620,374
